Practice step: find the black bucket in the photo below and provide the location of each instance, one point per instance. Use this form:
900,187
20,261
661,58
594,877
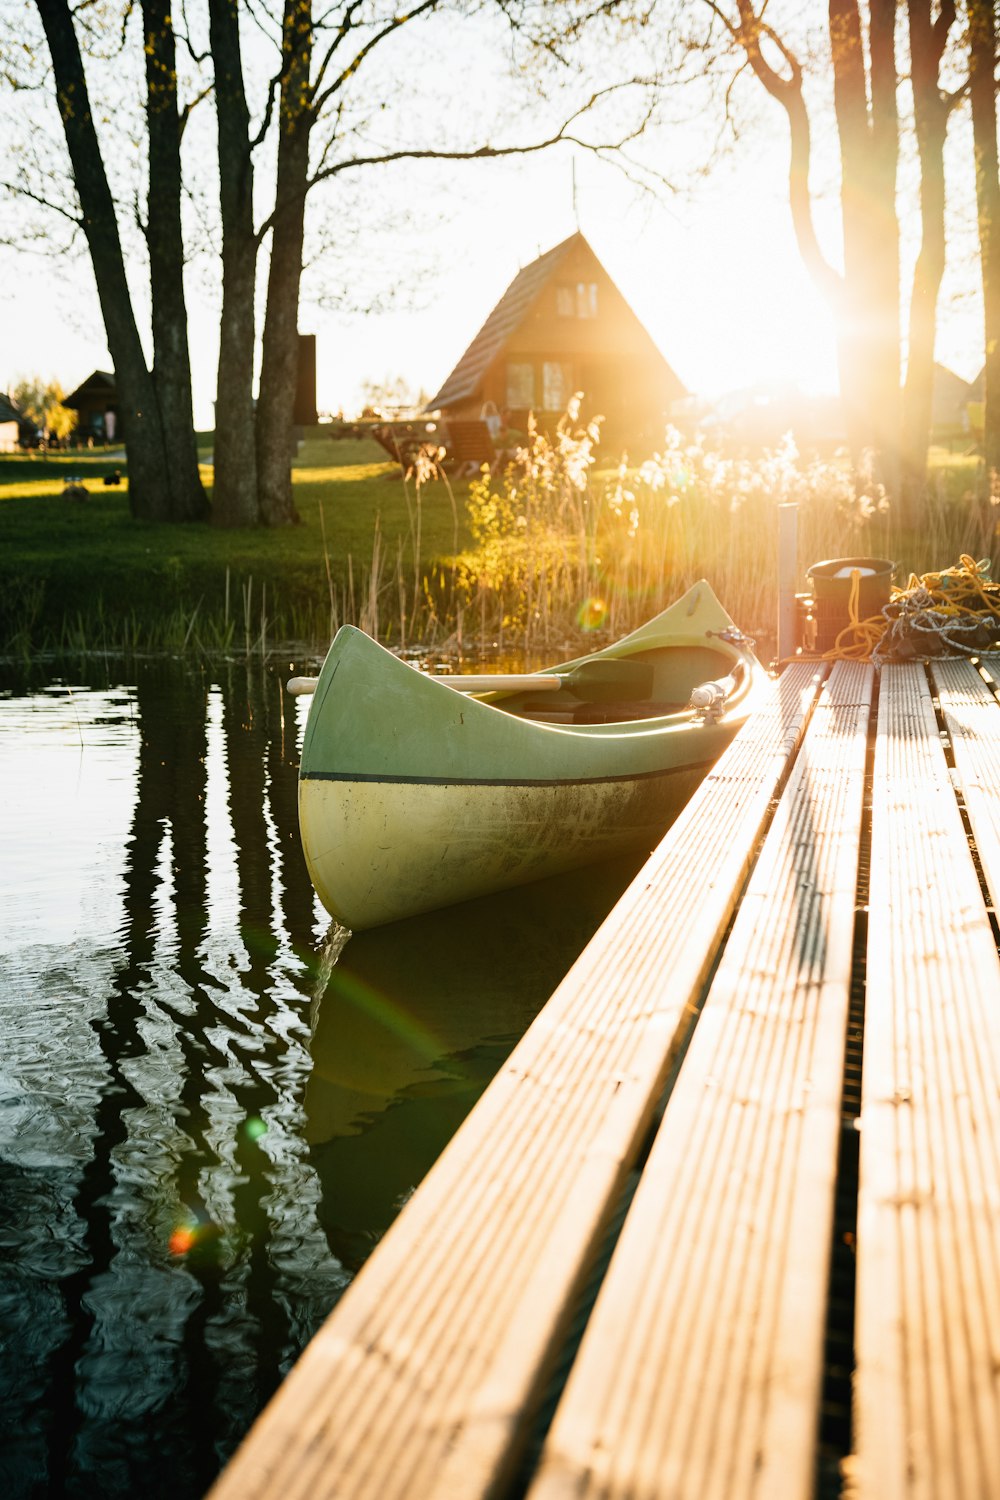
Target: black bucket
831,584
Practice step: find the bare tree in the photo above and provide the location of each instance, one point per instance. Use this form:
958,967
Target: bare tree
297,112
165,245
931,108
161,484
234,496
982,42
865,294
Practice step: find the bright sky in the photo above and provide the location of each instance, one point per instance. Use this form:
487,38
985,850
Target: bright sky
727,306
716,279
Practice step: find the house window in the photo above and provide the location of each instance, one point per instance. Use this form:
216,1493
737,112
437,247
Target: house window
579,301
555,385
586,299
565,302
520,386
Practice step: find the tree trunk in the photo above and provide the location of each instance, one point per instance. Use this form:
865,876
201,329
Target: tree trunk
234,498
865,298
982,59
149,489
857,374
279,361
869,330
883,233
171,359
927,42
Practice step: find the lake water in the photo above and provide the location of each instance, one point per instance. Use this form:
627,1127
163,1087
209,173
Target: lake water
207,1118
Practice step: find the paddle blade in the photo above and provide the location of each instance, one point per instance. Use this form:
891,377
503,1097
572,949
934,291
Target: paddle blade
609,679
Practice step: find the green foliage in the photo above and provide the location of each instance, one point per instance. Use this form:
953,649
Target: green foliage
42,401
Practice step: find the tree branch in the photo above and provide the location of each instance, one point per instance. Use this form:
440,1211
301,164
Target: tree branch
184,114
563,136
747,34
345,27
21,190
272,95
320,99
185,34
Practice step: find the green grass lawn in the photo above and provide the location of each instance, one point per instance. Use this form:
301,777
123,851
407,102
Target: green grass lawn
75,573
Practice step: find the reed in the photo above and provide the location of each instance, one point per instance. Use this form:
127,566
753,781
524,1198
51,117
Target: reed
562,550
558,550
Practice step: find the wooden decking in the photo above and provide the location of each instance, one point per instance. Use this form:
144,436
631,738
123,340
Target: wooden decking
691,1069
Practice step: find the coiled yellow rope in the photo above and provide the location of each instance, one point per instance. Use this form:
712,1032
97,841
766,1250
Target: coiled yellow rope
954,611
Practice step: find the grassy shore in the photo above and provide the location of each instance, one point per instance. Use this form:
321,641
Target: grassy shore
82,574
556,552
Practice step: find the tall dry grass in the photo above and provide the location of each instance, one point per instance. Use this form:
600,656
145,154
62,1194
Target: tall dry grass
562,547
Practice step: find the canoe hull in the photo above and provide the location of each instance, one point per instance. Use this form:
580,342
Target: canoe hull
413,796
450,842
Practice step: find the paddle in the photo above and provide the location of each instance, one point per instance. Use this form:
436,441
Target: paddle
604,679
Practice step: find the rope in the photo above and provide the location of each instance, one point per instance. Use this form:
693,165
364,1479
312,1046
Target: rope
955,611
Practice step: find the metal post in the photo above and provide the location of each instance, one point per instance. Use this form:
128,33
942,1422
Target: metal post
788,574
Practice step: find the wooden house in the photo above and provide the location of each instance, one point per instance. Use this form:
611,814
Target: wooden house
94,401
951,397
563,326
11,421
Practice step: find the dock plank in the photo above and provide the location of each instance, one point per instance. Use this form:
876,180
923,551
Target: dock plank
424,1380
970,710
928,1274
699,1374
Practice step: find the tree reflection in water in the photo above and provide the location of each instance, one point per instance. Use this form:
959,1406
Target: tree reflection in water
210,1125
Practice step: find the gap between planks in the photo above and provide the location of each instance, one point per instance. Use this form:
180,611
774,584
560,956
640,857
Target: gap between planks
700,1371
928,1272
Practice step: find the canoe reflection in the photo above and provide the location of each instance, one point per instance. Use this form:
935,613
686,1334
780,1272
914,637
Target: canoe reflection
414,1021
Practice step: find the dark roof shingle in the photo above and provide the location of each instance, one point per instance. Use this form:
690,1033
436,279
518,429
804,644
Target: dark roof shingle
99,382
501,323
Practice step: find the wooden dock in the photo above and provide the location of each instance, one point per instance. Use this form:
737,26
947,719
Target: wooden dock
759,1121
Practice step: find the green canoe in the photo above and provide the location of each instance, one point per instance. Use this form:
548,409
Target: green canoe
413,796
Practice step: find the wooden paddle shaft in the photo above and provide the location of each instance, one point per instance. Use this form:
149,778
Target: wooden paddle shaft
497,682
527,682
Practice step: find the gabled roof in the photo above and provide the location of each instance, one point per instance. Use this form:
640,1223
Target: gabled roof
99,382
501,323
9,412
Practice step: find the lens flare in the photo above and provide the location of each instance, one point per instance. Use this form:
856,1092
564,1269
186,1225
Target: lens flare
183,1239
592,614
254,1128
199,1239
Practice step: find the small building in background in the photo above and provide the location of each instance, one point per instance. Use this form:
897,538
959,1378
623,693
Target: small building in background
96,405
955,404
563,326
304,413
11,421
